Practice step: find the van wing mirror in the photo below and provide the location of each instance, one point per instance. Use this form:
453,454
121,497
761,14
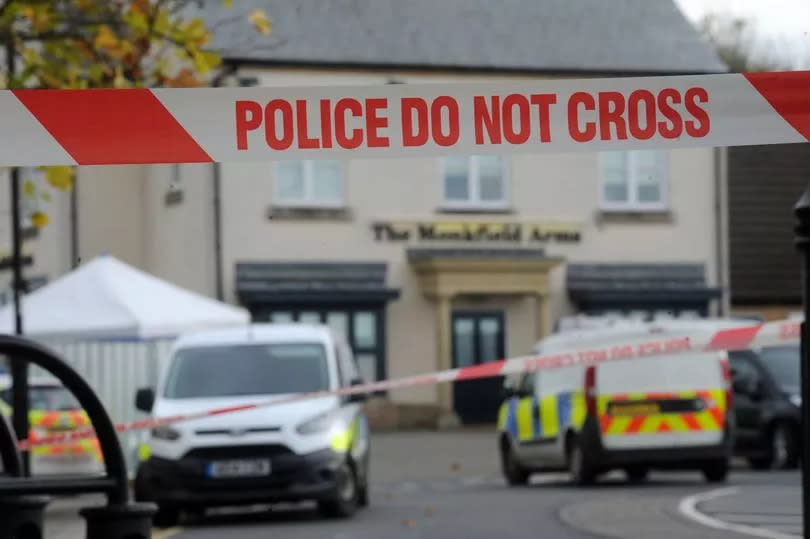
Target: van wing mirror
145,399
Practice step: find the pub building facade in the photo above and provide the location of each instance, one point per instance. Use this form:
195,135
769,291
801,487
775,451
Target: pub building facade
436,262
433,263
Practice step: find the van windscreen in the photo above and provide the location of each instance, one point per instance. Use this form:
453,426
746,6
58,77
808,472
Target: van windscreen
255,369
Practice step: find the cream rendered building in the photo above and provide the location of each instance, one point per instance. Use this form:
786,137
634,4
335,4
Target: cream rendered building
435,262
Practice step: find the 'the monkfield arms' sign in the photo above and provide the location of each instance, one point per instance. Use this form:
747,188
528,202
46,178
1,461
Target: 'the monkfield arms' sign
476,232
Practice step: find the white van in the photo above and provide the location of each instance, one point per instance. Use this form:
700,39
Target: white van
315,449
664,412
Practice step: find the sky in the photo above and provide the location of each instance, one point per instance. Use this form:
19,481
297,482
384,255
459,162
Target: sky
781,26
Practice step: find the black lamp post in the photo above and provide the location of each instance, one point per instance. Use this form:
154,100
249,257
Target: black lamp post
19,369
802,212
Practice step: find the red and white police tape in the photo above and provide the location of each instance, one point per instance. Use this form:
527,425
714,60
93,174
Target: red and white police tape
736,338
178,125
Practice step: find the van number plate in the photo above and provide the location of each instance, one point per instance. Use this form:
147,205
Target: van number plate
634,409
238,468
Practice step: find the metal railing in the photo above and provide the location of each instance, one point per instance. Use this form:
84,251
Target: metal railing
23,499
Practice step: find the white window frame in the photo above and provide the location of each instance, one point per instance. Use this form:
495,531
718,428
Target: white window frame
308,200
632,203
474,202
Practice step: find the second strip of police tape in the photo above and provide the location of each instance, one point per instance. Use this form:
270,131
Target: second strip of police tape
723,340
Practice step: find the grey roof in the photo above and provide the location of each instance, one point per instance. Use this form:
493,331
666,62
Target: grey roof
605,282
258,282
599,36
426,253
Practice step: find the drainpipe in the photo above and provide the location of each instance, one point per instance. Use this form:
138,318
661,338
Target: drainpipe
219,286
722,239
218,279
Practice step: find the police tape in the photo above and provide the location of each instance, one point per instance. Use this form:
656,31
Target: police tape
674,343
203,125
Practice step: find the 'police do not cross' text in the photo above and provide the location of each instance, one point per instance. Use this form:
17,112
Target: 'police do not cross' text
509,119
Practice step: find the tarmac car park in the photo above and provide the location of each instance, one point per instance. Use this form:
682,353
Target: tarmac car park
664,412
316,449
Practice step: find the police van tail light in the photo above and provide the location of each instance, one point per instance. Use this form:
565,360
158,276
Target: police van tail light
727,381
590,390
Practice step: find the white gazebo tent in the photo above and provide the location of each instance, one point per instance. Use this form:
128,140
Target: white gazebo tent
115,324
107,299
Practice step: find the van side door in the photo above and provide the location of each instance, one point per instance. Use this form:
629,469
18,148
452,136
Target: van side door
519,416
558,408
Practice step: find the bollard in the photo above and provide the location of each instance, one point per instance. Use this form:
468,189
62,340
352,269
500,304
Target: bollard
126,521
22,517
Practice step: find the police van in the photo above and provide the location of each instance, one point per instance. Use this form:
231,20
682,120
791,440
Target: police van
315,449
657,412
54,410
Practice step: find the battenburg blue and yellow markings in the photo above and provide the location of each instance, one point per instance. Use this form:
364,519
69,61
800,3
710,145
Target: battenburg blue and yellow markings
533,419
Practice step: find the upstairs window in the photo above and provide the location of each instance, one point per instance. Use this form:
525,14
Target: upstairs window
633,181
474,182
309,184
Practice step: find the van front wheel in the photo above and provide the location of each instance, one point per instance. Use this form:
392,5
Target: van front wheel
347,495
514,473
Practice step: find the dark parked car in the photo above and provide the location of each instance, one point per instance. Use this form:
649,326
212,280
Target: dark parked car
767,404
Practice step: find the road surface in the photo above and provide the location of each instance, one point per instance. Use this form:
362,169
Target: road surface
437,485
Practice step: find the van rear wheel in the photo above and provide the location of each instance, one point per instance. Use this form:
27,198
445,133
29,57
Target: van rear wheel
579,466
716,471
636,474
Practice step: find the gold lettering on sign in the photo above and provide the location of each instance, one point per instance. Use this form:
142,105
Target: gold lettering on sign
476,232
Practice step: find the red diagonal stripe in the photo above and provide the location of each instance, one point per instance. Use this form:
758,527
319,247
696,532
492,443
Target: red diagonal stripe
691,421
112,126
635,424
738,338
484,370
789,94
718,416
664,426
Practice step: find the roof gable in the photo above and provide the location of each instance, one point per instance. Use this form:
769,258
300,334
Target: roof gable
616,36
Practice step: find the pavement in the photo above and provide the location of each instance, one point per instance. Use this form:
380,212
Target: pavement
773,511
439,484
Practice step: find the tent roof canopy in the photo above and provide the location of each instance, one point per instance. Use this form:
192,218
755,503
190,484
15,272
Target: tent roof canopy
108,299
